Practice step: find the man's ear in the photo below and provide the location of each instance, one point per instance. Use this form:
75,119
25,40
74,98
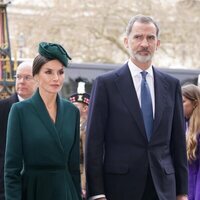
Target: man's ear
158,44
85,108
126,42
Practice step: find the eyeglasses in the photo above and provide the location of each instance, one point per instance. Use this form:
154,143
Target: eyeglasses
24,77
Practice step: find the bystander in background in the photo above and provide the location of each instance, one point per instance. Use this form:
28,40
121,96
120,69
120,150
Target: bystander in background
191,106
81,101
25,86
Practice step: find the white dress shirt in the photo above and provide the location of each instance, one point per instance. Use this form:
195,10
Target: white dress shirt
20,98
137,79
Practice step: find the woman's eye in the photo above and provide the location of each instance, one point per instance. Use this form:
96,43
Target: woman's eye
48,72
61,72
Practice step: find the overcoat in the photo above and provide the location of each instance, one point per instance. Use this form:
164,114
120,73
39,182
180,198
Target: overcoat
42,157
5,106
118,153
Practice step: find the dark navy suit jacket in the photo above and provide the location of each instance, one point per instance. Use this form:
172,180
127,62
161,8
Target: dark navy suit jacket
118,154
5,106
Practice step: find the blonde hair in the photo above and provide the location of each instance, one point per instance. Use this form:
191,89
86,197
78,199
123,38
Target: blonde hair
192,92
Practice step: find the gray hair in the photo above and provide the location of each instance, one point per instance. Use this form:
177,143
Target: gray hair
25,64
142,19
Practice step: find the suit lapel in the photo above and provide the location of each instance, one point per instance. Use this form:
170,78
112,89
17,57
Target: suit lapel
45,118
59,117
126,89
161,87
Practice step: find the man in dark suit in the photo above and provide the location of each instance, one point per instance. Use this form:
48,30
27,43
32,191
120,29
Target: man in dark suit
135,146
25,86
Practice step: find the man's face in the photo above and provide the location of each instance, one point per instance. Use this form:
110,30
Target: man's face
142,42
25,84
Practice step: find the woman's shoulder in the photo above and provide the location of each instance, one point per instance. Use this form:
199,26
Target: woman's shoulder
68,104
22,104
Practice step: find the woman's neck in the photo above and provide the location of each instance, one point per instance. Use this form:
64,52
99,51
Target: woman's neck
48,98
50,104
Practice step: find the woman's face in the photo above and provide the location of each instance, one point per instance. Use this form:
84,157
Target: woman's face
51,77
188,107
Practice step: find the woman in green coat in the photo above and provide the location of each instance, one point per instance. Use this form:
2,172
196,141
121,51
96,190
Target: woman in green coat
42,150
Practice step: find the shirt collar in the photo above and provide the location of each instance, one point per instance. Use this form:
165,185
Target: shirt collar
20,98
135,71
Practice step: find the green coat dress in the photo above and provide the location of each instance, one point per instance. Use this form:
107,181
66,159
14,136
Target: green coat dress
42,157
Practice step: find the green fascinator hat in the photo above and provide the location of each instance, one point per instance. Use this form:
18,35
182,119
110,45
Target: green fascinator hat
54,51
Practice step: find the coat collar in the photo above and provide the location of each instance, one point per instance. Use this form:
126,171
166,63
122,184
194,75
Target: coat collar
126,89
161,87
42,113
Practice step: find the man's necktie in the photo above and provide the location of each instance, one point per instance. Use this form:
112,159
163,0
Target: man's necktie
146,105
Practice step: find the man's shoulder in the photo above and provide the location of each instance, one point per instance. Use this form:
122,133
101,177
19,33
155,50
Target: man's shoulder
4,102
165,76
8,101
112,74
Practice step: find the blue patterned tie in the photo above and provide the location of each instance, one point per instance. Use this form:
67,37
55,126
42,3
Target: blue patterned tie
146,105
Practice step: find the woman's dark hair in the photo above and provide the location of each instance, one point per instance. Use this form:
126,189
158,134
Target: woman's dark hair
38,62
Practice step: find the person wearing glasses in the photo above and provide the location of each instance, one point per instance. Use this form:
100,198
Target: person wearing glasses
42,148
25,86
